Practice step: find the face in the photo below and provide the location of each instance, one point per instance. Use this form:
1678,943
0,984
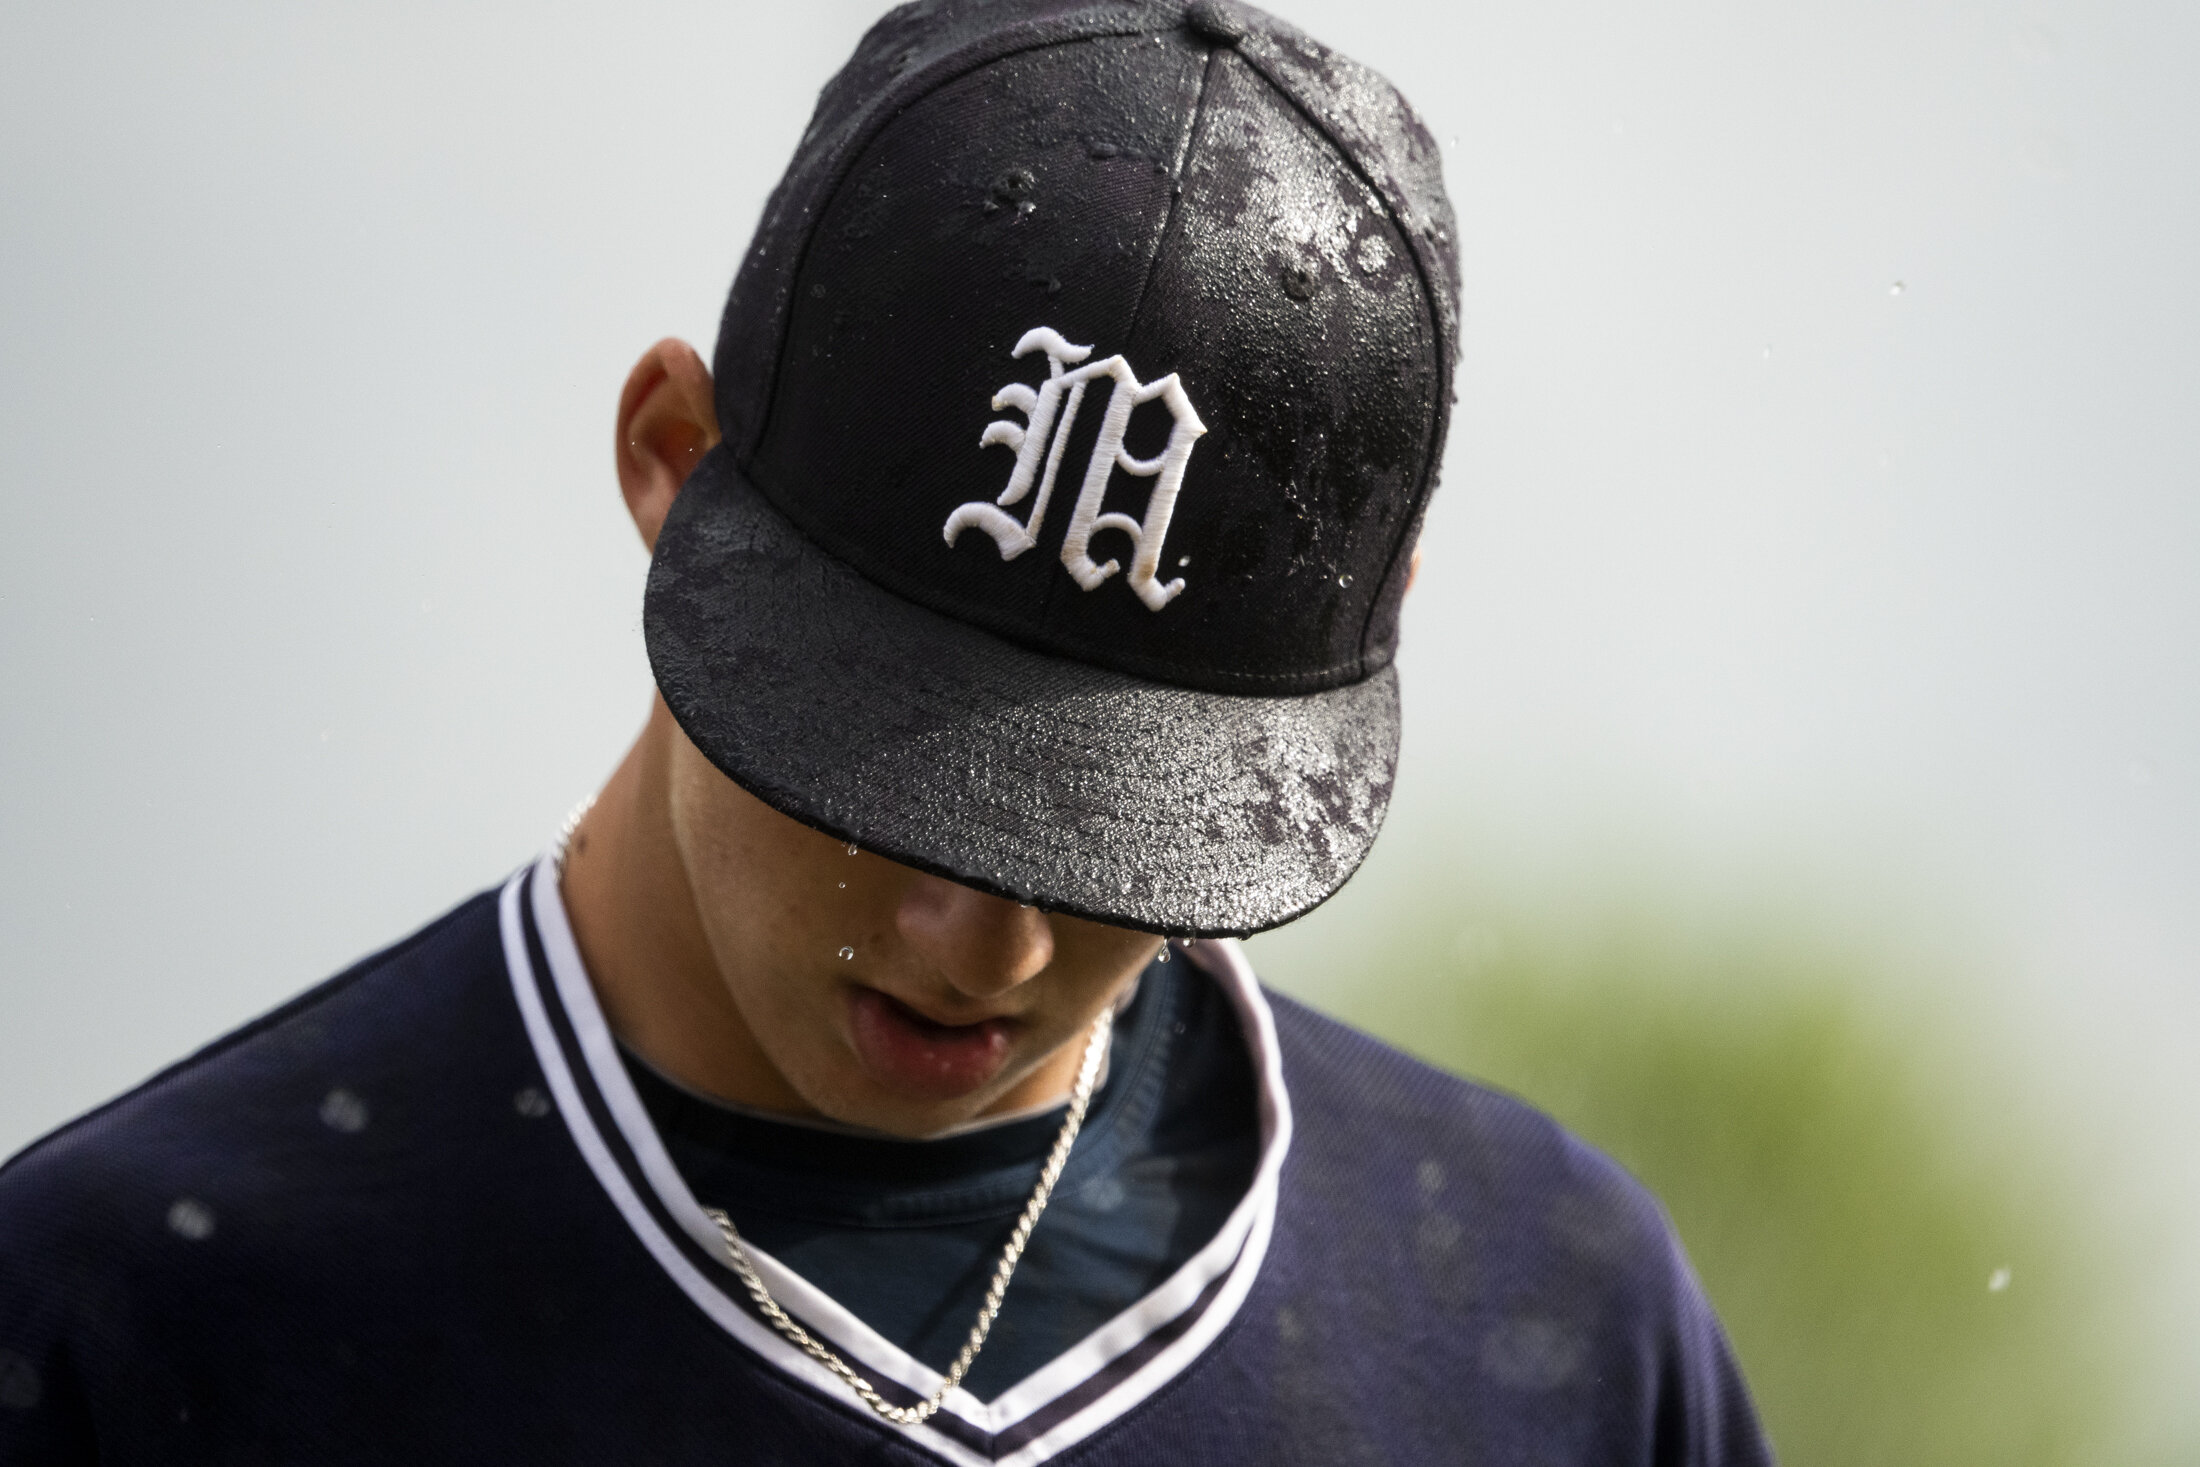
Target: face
886,997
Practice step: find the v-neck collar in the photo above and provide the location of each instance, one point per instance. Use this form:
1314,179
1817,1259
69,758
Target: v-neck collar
1093,1383
856,1179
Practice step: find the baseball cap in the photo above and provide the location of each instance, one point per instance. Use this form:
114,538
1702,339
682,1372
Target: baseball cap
1082,391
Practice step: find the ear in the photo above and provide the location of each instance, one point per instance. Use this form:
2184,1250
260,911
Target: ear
668,419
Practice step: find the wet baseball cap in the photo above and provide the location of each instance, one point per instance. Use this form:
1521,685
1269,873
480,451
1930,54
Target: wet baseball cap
1082,391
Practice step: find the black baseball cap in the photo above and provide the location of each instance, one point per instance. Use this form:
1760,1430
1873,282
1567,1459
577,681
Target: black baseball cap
1082,391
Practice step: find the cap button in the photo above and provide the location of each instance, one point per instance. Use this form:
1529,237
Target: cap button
1216,21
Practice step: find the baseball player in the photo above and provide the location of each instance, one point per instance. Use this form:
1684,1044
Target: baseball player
868,1074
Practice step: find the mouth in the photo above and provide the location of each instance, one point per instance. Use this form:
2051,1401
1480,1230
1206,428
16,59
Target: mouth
919,1056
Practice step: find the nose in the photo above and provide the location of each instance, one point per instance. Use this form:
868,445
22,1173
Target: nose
984,945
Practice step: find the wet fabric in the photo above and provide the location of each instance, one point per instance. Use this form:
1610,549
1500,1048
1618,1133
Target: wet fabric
907,1234
1083,389
364,1229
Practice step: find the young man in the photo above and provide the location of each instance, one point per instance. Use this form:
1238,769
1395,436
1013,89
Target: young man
867,1074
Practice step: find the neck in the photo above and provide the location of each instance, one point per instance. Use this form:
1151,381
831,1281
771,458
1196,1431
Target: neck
634,917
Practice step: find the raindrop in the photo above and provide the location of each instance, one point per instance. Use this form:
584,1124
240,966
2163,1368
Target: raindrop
1183,561
191,1219
1897,288
1768,351
1163,955
1012,187
847,954
851,848
345,1112
531,1103
844,886
1997,1281
1344,580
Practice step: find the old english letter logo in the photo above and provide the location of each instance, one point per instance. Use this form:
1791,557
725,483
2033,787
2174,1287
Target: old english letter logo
1049,413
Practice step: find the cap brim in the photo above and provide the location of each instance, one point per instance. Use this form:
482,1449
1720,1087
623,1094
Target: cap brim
956,751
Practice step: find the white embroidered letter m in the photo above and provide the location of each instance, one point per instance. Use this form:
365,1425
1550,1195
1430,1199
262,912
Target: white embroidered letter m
1050,412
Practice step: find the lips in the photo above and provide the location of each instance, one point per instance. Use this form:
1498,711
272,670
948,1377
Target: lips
910,1053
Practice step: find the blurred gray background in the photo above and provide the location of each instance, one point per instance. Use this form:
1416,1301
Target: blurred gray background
1815,555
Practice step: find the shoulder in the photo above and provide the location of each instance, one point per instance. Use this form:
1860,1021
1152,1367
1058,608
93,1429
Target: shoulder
1374,1124
235,1105
1471,1235
1341,1077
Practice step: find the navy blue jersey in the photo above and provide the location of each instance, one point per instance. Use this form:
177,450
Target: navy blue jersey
420,1214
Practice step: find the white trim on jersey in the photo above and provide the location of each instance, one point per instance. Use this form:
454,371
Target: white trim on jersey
1091,1384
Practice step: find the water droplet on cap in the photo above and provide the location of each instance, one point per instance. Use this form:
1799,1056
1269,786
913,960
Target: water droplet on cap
847,954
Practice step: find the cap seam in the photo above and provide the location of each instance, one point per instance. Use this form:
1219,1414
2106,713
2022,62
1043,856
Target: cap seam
1433,441
1176,195
1055,588
977,57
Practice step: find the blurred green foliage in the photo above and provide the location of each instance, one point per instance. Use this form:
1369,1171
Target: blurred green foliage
1819,1146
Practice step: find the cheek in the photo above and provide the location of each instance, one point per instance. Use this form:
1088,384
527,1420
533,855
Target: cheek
712,844
739,891
767,892
741,856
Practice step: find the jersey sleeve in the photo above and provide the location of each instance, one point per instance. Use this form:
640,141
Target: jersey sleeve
1704,1414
